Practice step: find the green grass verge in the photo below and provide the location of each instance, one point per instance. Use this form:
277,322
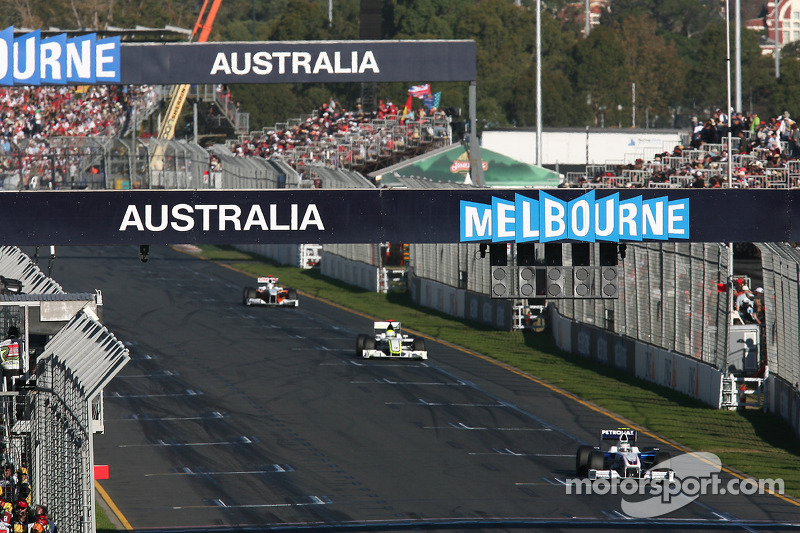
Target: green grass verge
752,442
104,525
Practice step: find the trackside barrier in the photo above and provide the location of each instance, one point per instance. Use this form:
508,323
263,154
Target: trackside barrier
16,265
783,399
462,303
298,255
356,273
656,365
50,420
780,264
77,363
781,270
668,298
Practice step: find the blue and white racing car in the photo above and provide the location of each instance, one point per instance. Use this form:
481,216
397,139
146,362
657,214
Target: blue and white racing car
389,341
623,459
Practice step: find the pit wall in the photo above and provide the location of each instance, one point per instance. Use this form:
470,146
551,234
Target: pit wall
656,365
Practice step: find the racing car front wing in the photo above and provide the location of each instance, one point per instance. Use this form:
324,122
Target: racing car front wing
656,475
403,354
285,302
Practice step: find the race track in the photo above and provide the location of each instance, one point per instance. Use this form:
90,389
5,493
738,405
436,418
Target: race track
257,418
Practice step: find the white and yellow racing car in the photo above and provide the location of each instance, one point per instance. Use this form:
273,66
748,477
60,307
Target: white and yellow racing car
389,341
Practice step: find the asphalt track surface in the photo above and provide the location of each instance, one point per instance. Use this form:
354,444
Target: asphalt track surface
262,419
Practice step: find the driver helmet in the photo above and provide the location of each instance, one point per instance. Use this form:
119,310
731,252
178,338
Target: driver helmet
390,330
624,446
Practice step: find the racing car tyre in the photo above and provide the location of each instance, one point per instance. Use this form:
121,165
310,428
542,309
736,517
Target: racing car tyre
249,292
662,458
369,344
419,345
360,344
291,294
582,460
596,460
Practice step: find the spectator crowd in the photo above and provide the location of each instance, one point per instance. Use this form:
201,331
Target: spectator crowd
18,514
765,154
32,117
348,138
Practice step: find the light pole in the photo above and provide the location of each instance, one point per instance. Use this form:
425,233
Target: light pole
539,82
729,294
777,50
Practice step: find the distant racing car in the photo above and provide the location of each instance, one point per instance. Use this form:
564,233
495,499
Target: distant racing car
269,292
623,459
389,341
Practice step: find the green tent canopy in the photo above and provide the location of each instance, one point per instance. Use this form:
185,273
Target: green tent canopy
451,164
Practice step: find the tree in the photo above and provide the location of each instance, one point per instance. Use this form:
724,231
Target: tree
302,20
505,36
561,104
653,65
601,73
686,17
433,19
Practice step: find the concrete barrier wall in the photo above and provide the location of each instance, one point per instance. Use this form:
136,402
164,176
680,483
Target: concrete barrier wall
461,303
656,365
285,254
783,399
350,271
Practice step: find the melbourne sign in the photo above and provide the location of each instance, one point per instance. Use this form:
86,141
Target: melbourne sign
586,218
35,59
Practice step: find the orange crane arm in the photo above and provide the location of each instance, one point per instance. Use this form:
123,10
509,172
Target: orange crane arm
205,21
205,26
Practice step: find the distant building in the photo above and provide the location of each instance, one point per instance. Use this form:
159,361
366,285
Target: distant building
757,15
576,12
788,24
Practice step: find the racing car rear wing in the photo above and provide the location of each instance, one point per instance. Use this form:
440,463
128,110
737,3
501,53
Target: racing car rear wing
615,434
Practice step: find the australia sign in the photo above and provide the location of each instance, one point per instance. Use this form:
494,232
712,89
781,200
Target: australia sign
35,59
